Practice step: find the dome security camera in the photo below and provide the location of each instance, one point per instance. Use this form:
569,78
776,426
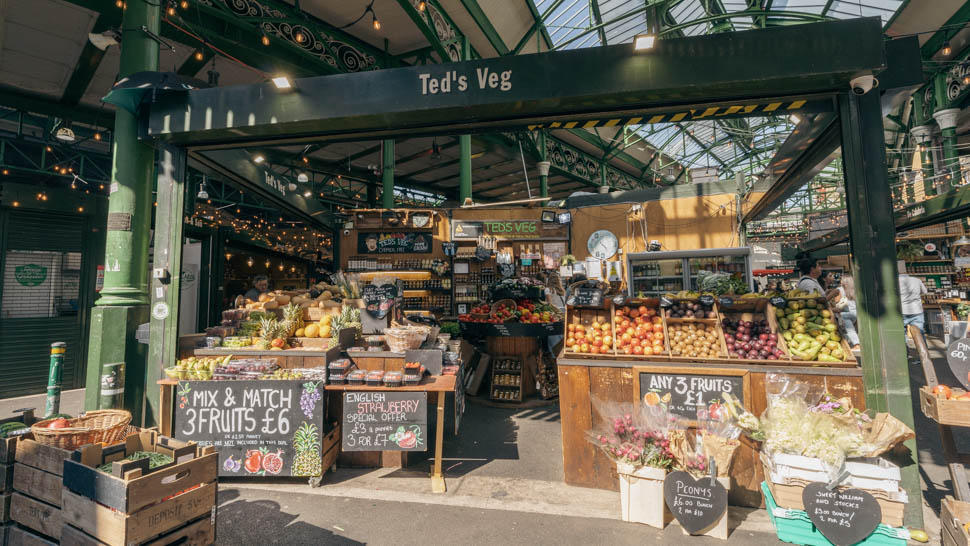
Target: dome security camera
861,85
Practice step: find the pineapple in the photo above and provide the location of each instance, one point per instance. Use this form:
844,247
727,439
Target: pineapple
335,325
292,318
351,317
307,461
269,327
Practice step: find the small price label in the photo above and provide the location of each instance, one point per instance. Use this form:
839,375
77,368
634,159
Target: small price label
665,302
725,301
619,299
779,301
707,301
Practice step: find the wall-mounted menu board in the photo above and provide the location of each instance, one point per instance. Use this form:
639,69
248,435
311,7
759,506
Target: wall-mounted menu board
685,390
259,428
384,421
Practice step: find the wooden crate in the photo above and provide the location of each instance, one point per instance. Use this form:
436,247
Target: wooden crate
330,448
36,515
946,412
849,361
6,477
38,484
757,312
586,317
20,536
131,486
954,515
790,496
652,303
41,456
708,324
199,532
8,446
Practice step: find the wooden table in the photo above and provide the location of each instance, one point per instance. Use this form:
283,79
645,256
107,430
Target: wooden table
440,385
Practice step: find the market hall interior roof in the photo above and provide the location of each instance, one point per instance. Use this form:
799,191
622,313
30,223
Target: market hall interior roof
51,69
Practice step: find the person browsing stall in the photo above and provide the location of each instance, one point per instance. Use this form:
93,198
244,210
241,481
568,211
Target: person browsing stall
260,286
911,292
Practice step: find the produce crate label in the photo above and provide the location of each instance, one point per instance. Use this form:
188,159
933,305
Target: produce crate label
259,428
686,394
779,301
958,357
725,301
385,421
697,504
845,517
706,300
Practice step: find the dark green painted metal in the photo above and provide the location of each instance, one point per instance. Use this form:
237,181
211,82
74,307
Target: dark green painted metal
597,141
372,196
605,75
87,64
465,167
444,36
31,102
539,26
387,163
884,356
191,66
543,179
483,22
163,347
803,155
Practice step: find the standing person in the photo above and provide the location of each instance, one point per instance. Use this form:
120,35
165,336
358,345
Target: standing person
810,271
846,304
556,297
260,286
911,292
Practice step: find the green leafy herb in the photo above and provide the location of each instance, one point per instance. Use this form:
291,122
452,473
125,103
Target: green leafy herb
155,460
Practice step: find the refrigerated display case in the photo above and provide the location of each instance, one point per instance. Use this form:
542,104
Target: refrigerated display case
655,273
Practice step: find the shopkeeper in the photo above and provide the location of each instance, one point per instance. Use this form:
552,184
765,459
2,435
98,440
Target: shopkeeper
811,275
260,286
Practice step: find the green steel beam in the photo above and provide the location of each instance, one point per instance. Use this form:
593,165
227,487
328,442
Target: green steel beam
483,22
31,102
594,7
538,26
87,64
947,31
191,66
600,143
465,168
885,368
440,31
387,166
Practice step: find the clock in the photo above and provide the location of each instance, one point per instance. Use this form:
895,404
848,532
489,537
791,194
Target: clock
602,244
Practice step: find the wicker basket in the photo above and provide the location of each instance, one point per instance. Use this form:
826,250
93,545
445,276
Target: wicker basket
97,426
404,339
507,302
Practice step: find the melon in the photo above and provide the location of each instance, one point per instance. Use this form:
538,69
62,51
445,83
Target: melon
300,332
313,330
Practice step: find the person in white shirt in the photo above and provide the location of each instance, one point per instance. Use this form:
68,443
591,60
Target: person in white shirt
911,292
810,279
847,310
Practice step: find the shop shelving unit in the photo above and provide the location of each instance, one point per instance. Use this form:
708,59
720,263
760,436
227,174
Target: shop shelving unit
507,380
657,273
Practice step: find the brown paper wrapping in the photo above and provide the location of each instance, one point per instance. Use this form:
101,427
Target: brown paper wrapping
722,450
884,433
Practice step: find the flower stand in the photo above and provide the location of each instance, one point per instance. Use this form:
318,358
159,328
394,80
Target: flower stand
642,495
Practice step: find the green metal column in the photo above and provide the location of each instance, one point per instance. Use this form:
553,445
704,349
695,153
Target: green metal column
603,174
465,167
166,286
922,134
387,198
872,230
947,120
543,166
124,300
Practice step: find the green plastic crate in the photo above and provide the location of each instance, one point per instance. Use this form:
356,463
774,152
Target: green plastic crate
794,526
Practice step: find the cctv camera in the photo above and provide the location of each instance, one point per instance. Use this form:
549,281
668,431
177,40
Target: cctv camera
863,84
346,232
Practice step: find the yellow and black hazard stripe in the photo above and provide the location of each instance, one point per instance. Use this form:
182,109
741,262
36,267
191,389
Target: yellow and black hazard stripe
712,112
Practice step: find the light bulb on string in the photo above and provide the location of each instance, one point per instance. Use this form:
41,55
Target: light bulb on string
265,40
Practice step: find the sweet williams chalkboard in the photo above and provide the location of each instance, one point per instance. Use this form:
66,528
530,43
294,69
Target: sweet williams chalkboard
384,421
259,428
685,391
845,516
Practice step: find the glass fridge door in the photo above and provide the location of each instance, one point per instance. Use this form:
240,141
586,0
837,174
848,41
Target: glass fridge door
717,264
656,277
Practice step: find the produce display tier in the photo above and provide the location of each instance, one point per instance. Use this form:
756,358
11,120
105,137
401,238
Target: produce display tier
626,362
512,329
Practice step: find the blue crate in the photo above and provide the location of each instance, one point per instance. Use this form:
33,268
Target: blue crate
794,526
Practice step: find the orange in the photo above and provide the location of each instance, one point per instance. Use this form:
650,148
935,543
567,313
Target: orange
651,399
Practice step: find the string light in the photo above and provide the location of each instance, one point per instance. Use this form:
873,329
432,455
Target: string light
946,48
185,4
376,22
421,5
199,56
6,171
49,149
265,40
80,209
171,9
97,136
299,37
119,4
16,203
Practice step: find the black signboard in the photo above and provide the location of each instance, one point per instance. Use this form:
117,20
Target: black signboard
587,297
384,421
665,302
686,392
259,428
482,254
511,329
706,300
379,299
725,301
697,504
779,302
394,243
844,517
958,357
463,229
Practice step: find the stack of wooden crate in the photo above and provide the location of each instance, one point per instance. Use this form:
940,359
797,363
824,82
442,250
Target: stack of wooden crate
8,447
36,502
135,504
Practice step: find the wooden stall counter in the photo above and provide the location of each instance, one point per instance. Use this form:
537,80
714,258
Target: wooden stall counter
582,380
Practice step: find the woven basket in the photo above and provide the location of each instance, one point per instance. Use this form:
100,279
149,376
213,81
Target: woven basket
93,427
508,303
404,339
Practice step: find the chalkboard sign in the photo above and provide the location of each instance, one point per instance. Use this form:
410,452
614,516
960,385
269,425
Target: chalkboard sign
697,504
665,302
725,301
587,297
779,302
706,301
394,243
385,421
259,428
482,254
686,390
845,517
958,357
459,397
379,299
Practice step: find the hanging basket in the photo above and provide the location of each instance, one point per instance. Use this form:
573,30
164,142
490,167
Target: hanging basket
94,427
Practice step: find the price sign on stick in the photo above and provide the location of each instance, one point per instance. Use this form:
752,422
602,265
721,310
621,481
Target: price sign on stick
697,504
958,357
845,517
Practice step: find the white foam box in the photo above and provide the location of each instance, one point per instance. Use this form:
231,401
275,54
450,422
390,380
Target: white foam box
871,473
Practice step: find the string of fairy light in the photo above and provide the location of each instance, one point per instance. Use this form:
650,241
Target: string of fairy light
281,234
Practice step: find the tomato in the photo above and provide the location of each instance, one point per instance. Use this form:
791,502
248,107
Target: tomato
637,350
942,390
643,310
657,327
59,423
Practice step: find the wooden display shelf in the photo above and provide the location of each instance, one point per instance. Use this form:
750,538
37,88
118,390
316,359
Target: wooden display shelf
951,412
497,388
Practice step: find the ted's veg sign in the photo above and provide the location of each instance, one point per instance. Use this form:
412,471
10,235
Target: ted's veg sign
30,274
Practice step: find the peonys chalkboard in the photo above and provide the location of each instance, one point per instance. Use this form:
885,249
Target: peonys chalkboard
697,504
845,517
958,357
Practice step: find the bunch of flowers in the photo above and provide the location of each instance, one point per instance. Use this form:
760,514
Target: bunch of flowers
792,427
841,408
634,438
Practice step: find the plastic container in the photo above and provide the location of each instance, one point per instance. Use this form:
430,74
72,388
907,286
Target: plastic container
393,379
337,378
449,370
357,350
357,377
413,368
340,365
412,379
375,378
375,341
795,526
